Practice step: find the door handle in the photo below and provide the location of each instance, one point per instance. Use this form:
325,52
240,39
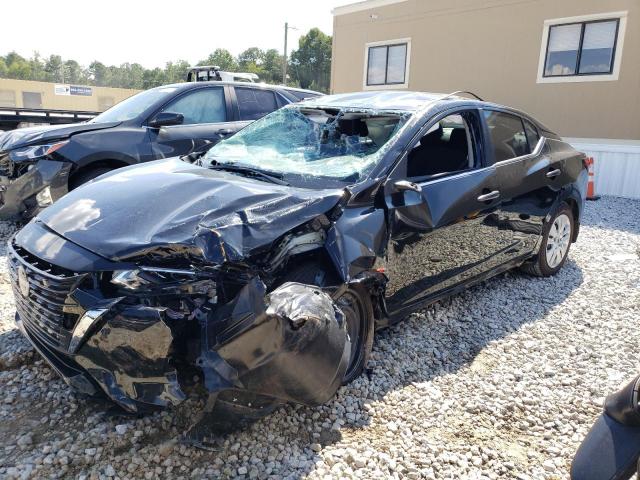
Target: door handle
404,185
224,131
554,173
487,197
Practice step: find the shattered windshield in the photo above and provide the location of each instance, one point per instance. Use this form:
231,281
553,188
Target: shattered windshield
323,143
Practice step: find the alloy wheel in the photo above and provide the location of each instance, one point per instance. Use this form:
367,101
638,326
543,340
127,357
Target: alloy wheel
558,240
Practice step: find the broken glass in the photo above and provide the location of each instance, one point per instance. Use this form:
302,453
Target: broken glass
317,142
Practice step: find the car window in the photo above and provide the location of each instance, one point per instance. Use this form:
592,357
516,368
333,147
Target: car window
507,135
532,134
254,103
135,105
447,147
205,105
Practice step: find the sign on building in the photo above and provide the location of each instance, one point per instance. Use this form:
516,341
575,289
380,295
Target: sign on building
73,90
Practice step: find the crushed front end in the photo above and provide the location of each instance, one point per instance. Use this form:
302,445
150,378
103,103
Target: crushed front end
29,184
148,336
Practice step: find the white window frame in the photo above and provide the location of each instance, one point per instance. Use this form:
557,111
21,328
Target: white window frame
617,59
407,64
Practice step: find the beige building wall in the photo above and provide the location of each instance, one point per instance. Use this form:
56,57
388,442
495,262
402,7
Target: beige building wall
493,48
14,93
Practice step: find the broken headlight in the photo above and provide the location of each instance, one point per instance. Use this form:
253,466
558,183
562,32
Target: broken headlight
36,152
166,281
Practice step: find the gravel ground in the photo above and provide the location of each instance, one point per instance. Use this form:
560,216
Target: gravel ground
502,381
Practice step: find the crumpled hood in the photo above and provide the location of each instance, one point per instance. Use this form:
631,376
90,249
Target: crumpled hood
169,206
34,135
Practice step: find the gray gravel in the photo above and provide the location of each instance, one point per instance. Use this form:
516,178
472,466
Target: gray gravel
501,381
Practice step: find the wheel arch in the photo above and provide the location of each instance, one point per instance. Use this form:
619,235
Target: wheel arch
373,281
112,162
572,197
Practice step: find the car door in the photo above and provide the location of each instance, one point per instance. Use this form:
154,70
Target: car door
443,205
208,118
253,103
530,178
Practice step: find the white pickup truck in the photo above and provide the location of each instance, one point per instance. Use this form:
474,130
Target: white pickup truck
207,73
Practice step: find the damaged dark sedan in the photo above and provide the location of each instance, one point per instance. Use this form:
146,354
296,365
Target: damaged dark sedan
259,272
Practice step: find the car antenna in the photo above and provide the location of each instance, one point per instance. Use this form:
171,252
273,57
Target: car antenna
458,92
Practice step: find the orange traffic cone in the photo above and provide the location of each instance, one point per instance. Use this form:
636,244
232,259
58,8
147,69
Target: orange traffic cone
591,186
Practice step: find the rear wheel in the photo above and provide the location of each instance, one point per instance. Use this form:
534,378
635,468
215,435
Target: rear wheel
556,241
85,175
357,307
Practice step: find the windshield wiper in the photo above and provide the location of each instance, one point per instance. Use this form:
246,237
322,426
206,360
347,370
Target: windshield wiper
250,172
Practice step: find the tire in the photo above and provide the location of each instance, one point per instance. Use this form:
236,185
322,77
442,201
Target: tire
556,243
83,176
357,306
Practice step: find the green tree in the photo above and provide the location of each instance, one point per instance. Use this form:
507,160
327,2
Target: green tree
17,66
153,78
222,58
176,72
311,63
19,70
74,73
309,67
136,76
251,61
13,57
37,67
98,74
272,66
54,69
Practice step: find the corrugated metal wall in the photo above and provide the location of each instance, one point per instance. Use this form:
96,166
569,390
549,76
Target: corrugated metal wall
616,167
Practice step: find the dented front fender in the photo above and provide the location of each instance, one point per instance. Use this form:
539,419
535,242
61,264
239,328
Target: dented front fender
291,344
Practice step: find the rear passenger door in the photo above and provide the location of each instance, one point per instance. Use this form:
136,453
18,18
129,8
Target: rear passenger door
208,118
529,180
253,103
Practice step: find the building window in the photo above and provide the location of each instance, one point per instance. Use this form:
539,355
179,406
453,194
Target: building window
582,48
387,64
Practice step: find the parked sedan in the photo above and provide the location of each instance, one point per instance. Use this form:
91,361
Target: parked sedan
263,268
38,165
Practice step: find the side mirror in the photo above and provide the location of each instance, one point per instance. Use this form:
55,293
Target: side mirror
164,119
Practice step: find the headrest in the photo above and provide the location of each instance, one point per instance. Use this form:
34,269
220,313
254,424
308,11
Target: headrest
433,137
353,127
458,137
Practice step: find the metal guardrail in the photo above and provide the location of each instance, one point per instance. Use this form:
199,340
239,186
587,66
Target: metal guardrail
41,115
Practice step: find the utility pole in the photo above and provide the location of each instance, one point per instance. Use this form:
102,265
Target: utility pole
284,62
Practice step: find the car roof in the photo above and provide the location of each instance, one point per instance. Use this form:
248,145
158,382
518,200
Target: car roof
406,101
188,85
386,100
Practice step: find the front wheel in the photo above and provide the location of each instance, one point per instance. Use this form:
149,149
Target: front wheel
355,303
556,241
